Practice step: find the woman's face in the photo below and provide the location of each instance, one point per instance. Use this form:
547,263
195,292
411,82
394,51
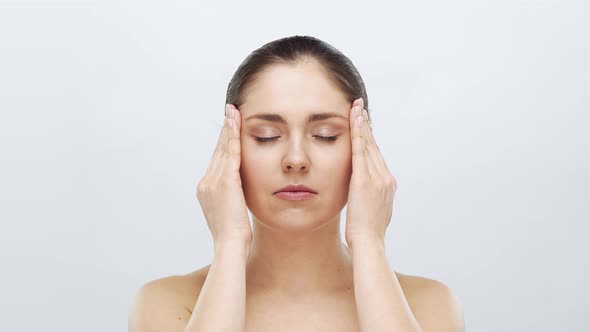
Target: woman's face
314,153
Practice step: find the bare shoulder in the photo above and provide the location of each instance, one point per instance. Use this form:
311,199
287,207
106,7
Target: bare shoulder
165,303
435,305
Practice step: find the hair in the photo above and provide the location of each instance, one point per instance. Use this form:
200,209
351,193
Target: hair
290,50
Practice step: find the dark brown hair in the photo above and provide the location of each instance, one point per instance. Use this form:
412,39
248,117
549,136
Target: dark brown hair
338,67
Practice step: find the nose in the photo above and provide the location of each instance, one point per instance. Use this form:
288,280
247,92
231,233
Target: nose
295,159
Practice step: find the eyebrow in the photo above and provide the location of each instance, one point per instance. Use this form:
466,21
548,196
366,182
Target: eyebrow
273,117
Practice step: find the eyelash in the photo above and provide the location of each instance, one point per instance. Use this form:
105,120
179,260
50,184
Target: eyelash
327,139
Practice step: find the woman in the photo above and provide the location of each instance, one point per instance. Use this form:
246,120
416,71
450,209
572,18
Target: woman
294,150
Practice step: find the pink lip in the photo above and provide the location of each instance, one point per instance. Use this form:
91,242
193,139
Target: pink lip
294,195
296,187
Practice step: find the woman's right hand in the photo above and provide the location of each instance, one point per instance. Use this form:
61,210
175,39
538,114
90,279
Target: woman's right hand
220,191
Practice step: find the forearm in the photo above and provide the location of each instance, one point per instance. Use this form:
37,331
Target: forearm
221,305
380,301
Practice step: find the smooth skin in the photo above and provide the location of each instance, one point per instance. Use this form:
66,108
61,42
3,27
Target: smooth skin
219,297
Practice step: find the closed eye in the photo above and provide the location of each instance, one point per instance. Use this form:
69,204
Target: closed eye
268,139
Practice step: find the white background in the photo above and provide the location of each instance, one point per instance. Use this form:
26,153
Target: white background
110,111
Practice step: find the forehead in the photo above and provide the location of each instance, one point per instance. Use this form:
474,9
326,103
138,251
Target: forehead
294,91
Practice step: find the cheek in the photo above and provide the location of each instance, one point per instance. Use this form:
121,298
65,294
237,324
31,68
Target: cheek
340,165
344,173
254,164
247,164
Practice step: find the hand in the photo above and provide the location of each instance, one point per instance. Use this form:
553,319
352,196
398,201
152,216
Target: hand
220,190
372,187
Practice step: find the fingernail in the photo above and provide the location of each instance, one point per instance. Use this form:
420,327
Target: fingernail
226,109
362,102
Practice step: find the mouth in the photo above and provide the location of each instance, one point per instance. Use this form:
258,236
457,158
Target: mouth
295,195
296,188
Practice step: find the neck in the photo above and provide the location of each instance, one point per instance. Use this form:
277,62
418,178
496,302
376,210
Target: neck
298,263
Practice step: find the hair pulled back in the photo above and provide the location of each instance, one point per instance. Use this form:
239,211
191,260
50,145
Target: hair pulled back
290,50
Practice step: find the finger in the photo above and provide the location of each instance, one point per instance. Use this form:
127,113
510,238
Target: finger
376,157
371,144
234,148
359,164
372,167
216,159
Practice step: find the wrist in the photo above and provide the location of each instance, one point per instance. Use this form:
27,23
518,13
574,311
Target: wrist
224,238
232,244
366,242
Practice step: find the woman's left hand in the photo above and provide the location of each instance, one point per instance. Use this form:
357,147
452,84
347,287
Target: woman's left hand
372,187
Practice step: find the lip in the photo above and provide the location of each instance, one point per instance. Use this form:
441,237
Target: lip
294,195
296,188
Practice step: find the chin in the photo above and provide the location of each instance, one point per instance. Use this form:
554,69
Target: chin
293,220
